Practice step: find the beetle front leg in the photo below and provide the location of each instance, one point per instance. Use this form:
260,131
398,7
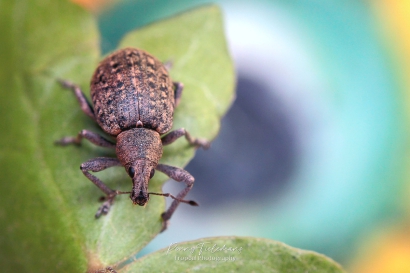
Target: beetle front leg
95,165
92,137
82,100
174,135
179,175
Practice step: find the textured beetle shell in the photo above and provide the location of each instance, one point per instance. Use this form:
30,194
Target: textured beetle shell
131,85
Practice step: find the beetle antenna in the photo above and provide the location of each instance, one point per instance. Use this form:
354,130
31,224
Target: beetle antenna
190,202
122,192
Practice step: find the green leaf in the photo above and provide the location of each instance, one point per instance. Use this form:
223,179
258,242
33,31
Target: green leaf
40,41
47,206
233,254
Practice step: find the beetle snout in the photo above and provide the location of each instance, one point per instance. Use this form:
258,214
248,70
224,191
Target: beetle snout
139,198
140,179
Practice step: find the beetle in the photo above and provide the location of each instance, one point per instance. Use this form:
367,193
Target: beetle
134,100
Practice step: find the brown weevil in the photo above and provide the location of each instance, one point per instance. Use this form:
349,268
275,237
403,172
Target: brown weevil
134,100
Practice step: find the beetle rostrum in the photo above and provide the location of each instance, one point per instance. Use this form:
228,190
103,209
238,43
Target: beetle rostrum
134,100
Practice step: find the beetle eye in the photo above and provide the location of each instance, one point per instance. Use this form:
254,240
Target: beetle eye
152,173
131,172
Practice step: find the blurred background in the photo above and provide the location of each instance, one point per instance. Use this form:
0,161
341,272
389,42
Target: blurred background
314,151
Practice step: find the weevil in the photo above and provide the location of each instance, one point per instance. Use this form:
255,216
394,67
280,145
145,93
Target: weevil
134,100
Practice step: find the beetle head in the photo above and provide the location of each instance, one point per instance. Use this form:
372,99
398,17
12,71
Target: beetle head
139,150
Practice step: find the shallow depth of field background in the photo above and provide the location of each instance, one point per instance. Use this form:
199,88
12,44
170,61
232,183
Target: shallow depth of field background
314,152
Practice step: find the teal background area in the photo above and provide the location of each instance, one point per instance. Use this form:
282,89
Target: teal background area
327,64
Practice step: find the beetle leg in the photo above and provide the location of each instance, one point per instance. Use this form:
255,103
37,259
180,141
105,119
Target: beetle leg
106,270
178,87
92,137
168,65
95,165
82,100
179,175
174,135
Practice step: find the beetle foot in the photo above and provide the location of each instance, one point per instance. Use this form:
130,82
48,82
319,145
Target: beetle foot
164,223
201,143
105,207
106,270
65,141
168,64
197,142
65,83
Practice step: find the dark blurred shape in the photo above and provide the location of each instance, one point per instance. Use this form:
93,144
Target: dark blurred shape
253,156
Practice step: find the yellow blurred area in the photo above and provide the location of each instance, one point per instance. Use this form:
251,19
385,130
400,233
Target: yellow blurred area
394,16
94,5
389,254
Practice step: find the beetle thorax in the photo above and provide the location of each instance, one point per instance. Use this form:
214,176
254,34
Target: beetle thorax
138,144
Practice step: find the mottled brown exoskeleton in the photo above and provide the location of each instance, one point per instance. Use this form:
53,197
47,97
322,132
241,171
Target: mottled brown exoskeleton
134,100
